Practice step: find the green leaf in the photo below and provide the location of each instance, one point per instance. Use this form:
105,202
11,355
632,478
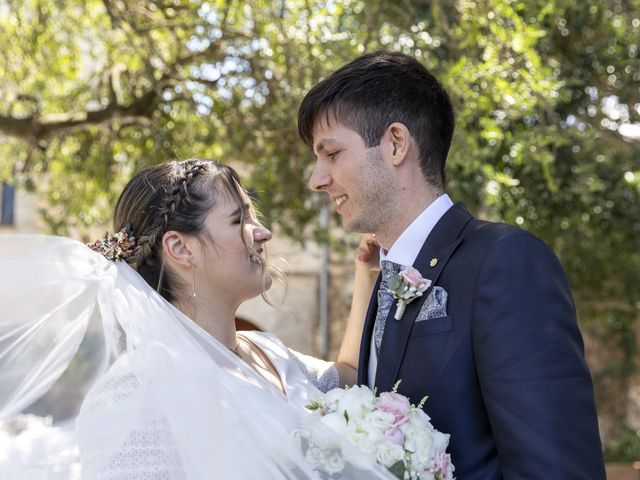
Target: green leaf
313,405
395,282
398,469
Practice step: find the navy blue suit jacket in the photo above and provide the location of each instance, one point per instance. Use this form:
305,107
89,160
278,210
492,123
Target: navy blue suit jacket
504,370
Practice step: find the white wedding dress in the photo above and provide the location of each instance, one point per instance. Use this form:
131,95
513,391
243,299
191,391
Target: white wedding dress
166,400
152,439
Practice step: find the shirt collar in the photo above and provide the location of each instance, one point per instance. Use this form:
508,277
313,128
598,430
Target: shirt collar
406,248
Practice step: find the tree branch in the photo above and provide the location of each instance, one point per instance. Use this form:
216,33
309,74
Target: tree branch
37,130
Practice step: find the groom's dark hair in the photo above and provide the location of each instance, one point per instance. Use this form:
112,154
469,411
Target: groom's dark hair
377,89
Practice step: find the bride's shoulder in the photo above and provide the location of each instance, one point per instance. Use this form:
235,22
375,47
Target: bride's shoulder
263,339
321,373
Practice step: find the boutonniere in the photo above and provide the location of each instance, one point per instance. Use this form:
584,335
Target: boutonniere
405,287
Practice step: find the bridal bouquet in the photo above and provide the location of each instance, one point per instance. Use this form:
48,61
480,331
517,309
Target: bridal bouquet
387,428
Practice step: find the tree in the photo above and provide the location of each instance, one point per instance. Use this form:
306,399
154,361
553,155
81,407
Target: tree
97,89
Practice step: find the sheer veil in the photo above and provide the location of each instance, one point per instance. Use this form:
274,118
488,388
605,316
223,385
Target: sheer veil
163,399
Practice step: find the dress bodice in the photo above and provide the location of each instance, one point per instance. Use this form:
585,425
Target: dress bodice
303,377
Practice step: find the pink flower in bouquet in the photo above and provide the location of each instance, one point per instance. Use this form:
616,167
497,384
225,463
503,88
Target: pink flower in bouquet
395,404
395,436
442,467
412,277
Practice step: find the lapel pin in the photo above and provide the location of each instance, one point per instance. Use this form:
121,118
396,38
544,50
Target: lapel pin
433,262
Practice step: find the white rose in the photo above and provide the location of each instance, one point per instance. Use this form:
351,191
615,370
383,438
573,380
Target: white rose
320,434
334,463
388,453
333,397
440,440
364,436
380,419
425,454
316,457
419,441
411,432
335,421
418,416
357,402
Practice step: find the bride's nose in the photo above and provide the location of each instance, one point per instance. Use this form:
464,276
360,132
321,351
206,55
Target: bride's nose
261,234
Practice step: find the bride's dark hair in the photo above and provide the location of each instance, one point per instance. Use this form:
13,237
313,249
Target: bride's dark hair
172,196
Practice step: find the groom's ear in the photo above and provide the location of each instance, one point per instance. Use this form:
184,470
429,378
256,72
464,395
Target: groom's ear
396,143
175,246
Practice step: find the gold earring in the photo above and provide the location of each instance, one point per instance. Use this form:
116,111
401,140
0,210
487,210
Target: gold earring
193,286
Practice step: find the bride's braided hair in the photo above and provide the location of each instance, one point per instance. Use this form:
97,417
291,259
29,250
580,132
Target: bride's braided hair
148,240
170,196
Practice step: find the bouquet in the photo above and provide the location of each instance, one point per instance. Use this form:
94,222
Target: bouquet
386,428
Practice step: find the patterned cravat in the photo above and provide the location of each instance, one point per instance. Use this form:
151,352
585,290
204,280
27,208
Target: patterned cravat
385,299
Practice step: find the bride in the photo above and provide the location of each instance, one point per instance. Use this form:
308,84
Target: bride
178,392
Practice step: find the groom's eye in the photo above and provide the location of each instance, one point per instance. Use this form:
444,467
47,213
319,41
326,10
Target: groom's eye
332,155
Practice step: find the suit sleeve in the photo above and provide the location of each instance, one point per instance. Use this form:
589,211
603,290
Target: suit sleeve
530,362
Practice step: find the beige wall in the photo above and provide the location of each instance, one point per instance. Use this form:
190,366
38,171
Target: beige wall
26,218
297,321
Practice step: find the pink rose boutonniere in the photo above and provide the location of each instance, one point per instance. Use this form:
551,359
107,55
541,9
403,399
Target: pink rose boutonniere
405,287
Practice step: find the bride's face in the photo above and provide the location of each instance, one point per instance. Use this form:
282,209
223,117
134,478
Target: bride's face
231,260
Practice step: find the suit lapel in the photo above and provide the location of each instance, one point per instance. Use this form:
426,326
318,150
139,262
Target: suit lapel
365,342
440,245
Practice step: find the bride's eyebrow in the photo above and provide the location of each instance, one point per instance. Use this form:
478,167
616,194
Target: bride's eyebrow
244,207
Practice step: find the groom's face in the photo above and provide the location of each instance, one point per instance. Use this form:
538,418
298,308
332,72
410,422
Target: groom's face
355,177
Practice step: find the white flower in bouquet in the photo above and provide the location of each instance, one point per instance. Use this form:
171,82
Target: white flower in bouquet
388,454
364,435
357,403
336,421
387,428
380,419
333,397
330,462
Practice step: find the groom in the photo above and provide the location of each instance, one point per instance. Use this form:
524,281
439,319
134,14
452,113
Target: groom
494,341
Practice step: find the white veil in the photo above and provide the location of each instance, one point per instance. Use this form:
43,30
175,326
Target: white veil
166,400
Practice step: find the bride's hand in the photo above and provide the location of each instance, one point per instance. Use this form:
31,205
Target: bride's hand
367,269
368,255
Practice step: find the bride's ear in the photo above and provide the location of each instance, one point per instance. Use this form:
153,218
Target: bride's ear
176,248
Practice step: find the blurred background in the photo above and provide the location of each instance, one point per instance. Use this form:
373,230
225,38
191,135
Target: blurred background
547,99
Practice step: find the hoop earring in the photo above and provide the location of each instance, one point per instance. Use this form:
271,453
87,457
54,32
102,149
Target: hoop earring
193,286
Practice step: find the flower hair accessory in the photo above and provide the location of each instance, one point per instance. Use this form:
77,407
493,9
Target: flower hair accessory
115,247
405,287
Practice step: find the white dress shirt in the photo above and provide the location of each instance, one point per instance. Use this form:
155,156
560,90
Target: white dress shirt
404,252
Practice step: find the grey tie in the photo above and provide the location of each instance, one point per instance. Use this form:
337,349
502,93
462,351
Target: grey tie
385,299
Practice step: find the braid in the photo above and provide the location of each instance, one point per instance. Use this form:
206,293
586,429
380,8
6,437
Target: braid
144,246
147,241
